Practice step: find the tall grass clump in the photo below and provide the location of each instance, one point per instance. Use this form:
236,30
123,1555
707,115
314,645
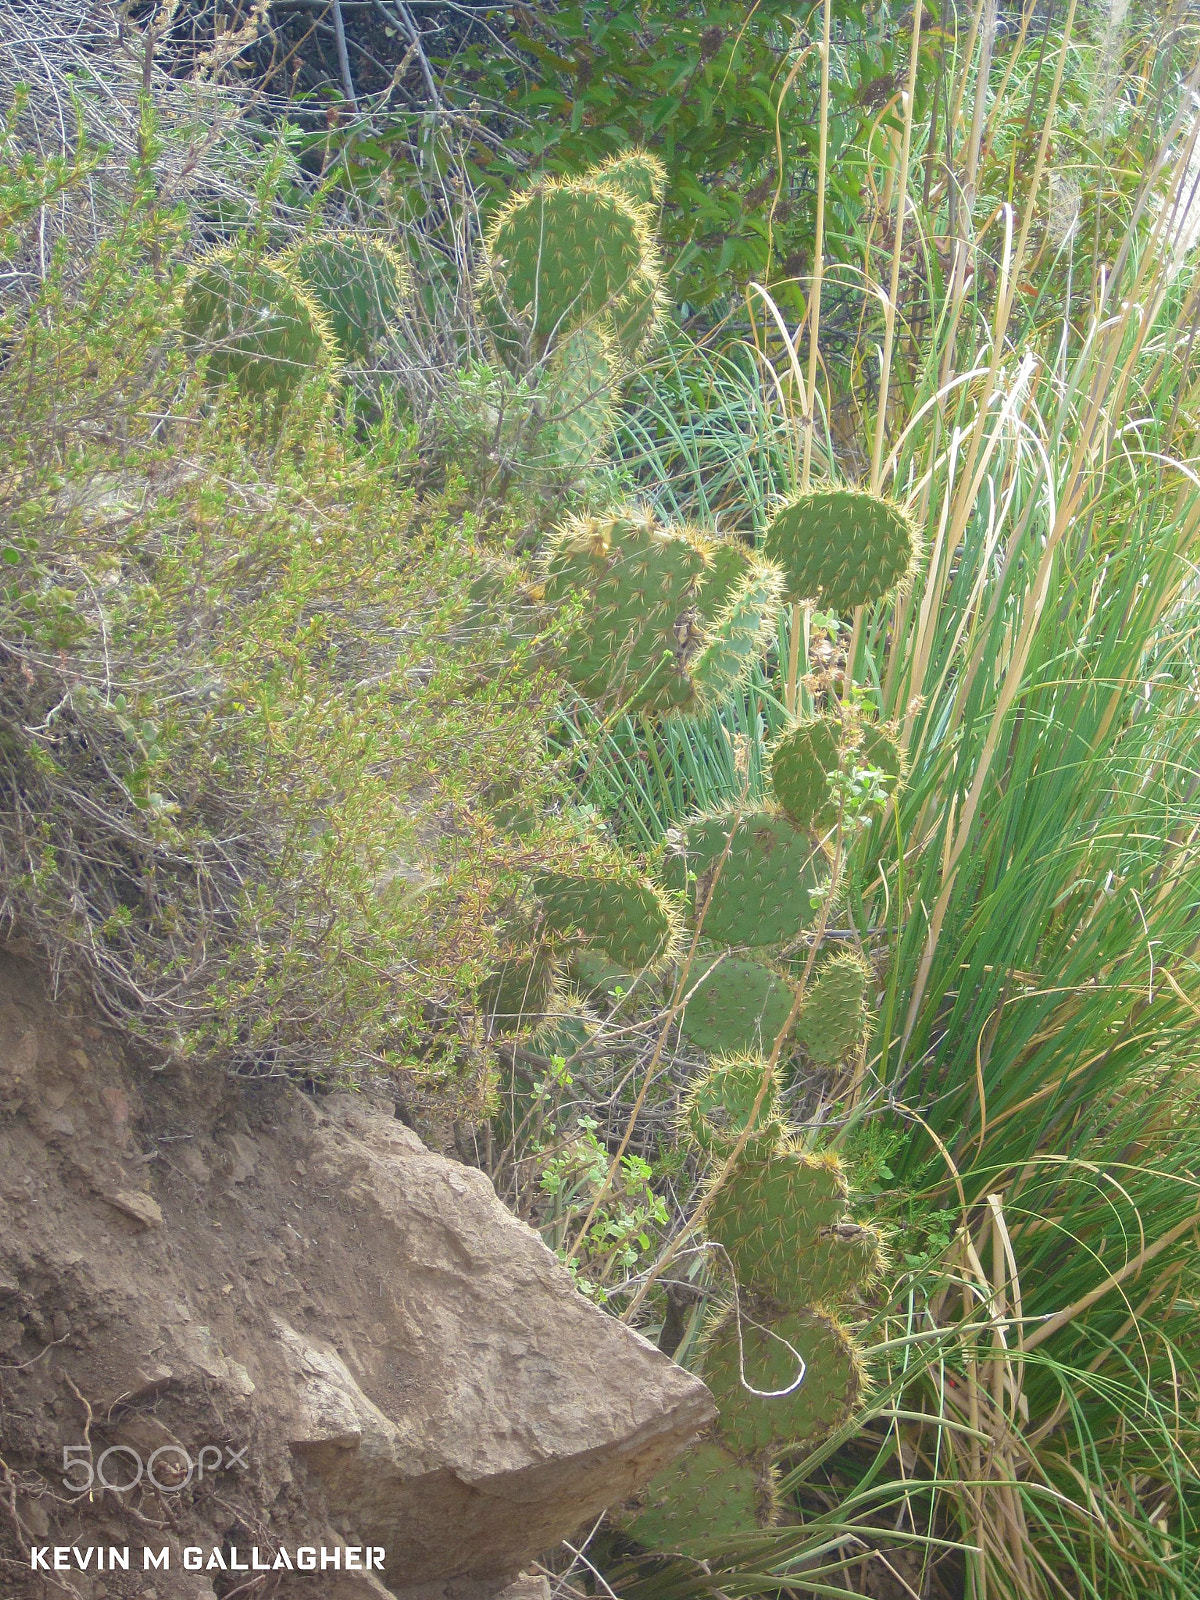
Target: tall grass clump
1024,383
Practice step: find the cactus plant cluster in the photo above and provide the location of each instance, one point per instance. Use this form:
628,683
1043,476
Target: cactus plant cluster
266,322
782,1367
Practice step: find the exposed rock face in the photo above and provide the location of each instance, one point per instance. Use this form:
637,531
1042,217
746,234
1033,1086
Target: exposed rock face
402,1364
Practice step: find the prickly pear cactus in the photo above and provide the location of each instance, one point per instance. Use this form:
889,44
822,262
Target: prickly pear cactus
361,282
643,638
639,628
800,766
834,1018
783,1369
804,1365
739,633
581,387
636,174
706,1498
805,756
781,1220
734,1093
618,911
521,990
734,1005
254,324
563,253
843,547
760,892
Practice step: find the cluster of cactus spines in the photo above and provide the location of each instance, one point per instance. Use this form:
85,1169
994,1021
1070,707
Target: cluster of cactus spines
361,282
642,640
255,324
617,911
733,1096
580,388
843,547
563,253
734,1004
834,1018
756,877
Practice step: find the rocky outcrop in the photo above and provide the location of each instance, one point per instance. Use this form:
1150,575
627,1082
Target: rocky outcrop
351,1342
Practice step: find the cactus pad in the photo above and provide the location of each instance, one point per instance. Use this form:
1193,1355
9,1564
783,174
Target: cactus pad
762,893
580,394
596,977
562,253
721,1103
256,326
520,991
834,1017
361,282
705,1497
735,1005
739,633
843,547
823,1399
636,174
782,1221
621,913
800,764
640,628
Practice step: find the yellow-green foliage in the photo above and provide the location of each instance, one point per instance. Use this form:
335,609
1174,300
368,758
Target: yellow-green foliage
247,729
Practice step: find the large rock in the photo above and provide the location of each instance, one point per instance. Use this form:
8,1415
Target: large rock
402,1363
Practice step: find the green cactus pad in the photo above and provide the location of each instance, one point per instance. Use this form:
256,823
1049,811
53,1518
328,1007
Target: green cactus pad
843,547
580,395
256,326
567,1032
740,633
800,764
705,1497
361,282
735,1005
621,913
834,1017
781,1219
562,253
878,749
731,561
824,1398
520,992
640,628
597,978
762,894
636,174
721,1102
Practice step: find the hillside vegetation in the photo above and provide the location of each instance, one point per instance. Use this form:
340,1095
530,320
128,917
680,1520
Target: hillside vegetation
672,641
